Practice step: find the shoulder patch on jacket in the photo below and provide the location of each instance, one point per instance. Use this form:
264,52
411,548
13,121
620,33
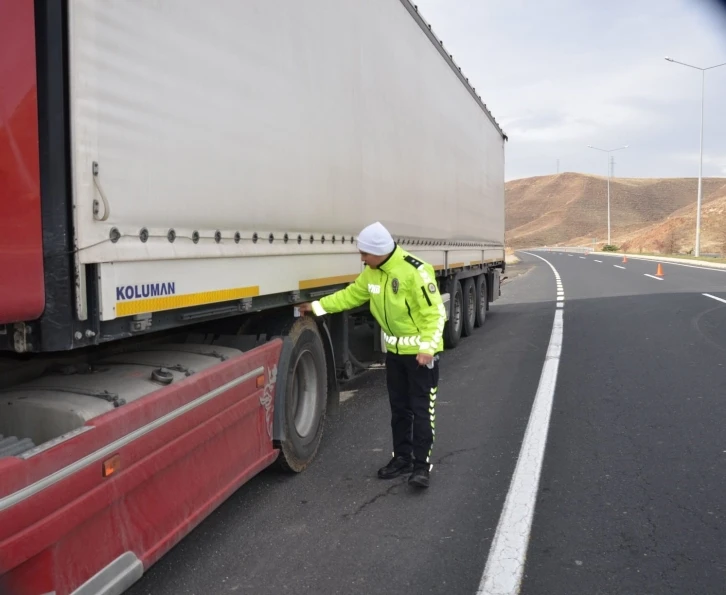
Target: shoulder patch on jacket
413,261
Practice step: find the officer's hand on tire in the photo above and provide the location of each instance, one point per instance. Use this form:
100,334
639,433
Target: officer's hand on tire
424,359
305,308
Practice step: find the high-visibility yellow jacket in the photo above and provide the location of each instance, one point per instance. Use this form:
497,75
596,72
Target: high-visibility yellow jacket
404,299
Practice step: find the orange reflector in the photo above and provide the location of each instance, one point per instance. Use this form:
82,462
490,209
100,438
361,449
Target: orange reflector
110,466
261,381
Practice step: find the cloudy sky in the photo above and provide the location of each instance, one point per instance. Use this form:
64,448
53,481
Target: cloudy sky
562,74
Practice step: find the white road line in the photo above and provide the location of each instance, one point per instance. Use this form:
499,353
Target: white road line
617,266
653,277
505,564
600,261
713,297
583,257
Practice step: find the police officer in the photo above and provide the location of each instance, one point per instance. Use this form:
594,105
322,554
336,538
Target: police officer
406,302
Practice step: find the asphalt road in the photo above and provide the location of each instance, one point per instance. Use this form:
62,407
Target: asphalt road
631,497
631,494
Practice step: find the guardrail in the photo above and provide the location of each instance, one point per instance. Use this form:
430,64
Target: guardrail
574,249
687,262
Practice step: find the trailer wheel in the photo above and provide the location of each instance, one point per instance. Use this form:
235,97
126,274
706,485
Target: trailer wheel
482,300
452,330
469,307
305,397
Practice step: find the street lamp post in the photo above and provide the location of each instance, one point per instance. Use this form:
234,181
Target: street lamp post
608,151
697,249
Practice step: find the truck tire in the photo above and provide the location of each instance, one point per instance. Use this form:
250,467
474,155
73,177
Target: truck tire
482,300
452,330
468,307
305,397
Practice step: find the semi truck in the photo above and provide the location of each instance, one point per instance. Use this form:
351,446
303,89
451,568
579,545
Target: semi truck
174,178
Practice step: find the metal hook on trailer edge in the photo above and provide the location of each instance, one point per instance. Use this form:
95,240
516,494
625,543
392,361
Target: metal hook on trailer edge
106,206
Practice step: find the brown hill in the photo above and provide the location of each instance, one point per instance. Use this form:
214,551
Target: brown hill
646,213
677,233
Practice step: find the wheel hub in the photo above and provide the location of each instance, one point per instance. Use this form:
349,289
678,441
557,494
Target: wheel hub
305,393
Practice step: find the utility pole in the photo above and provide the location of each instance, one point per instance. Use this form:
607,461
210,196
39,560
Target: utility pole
608,151
558,166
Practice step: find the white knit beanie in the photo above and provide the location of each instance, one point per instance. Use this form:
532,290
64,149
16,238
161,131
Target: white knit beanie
375,240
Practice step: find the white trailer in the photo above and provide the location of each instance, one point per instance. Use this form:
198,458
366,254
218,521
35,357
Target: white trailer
239,148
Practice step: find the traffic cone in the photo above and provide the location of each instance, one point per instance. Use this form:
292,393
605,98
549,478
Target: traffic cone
625,259
659,272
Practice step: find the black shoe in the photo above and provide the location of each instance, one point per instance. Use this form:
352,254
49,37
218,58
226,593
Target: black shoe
397,466
419,477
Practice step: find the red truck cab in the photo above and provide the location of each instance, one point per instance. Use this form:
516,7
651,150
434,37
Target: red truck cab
22,295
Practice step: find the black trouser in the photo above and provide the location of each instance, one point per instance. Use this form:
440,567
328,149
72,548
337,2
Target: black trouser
412,393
